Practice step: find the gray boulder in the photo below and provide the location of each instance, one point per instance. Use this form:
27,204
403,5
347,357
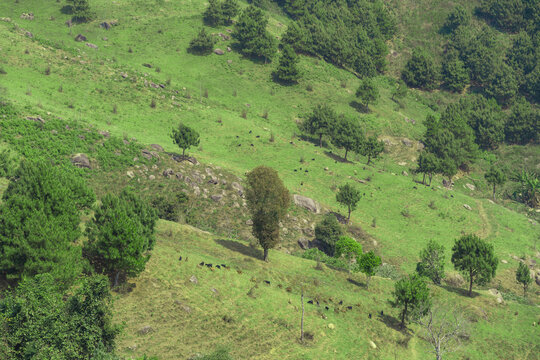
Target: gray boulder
307,203
81,161
303,243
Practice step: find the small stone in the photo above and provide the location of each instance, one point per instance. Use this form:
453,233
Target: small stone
229,62
331,326
249,222
372,344
404,173
504,261
130,174
219,52
470,187
145,330
151,177
467,207
90,45
217,198
193,279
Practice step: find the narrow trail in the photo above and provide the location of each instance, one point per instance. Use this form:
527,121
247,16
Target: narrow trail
486,225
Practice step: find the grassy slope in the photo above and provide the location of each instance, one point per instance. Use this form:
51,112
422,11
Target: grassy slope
267,327
92,84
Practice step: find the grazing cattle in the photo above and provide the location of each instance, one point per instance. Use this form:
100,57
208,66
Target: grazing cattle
239,144
239,271
223,265
327,308
219,267
414,187
302,183
310,302
258,136
295,170
266,281
349,307
306,170
341,302
382,313
252,145
313,159
201,263
180,258
318,303
369,316
237,136
208,265
250,131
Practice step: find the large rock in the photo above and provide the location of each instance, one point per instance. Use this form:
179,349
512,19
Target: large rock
157,147
219,52
81,160
303,243
236,186
307,203
468,207
80,37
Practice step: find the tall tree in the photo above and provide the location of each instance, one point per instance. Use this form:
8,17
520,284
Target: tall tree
347,134
213,15
120,236
367,93
432,262
320,122
80,9
458,17
268,200
372,148
410,294
368,264
523,124
348,248
454,72
475,258
252,36
348,196
287,70
523,276
39,222
185,137
495,176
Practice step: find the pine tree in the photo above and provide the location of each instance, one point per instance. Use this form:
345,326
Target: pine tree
80,9
203,43
347,134
523,276
229,10
252,36
367,93
213,15
287,71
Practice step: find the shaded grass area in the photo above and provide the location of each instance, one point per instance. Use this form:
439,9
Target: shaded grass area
189,318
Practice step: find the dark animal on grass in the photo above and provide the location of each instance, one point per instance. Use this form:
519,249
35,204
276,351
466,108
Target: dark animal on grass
382,313
258,136
327,308
310,302
201,263
341,302
252,145
180,258
295,170
266,281
239,144
219,267
349,307
250,131
209,265
223,265
369,316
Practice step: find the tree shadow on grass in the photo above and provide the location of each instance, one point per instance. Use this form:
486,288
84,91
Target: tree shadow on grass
460,291
357,283
359,107
241,248
393,323
337,158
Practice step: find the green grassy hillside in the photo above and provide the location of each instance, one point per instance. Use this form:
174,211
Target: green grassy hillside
49,74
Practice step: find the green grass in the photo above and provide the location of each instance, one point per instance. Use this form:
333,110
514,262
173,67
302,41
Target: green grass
268,326
92,85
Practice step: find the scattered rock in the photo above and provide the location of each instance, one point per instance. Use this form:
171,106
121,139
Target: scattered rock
93,46
214,291
167,173
406,142
147,65
306,203
157,147
249,222
404,173
196,190
470,187
36,119
81,161
447,183
219,52
151,177
326,168
229,61
372,344
29,34
193,279
80,38
216,198
105,25
145,330
105,134
331,326
497,295
183,306
27,16
229,49
239,188
303,243
504,261
467,207
130,174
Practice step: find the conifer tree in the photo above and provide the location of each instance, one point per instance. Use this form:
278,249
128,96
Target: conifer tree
287,71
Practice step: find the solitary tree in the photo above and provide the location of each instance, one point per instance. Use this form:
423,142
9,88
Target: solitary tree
367,93
320,122
443,326
495,176
368,264
120,236
328,232
268,200
347,134
475,258
203,43
348,248
287,71
348,196
213,15
251,34
185,137
410,294
523,276
372,148
420,71
432,262
80,9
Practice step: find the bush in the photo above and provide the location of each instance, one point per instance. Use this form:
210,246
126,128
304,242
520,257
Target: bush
202,44
388,271
328,232
319,256
169,208
420,71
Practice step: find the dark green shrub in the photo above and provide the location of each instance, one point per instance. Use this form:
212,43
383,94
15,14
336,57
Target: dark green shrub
328,232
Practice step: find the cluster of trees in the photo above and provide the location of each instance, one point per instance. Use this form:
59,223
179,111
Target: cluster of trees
473,55
473,123
352,35
251,35
343,132
59,308
351,250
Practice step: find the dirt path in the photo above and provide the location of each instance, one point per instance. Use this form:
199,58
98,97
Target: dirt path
486,225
